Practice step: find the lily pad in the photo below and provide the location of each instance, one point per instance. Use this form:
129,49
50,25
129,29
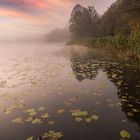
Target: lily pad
41,108
52,135
30,138
51,122
88,120
44,116
18,120
125,134
29,119
60,111
31,112
78,119
95,117
37,121
78,113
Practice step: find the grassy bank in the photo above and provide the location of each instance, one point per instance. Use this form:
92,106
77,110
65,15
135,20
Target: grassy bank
127,47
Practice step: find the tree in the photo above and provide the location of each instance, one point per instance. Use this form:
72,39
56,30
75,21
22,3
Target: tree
95,20
80,22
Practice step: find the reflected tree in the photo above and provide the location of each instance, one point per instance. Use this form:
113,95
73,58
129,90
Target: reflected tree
124,76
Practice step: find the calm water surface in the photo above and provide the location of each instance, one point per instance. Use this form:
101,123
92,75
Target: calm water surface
52,91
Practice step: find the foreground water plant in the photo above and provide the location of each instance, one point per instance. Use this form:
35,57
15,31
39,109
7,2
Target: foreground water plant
18,120
37,121
125,134
52,135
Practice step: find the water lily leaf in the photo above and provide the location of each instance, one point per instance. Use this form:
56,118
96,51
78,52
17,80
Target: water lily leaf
29,119
52,135
60,111
30,138
124,121
130,114
125,134
37,121
51,122
18,120
111,105
78,119
41,108
135,110
95,117
10,109
32,112
78,113
88,120
44,116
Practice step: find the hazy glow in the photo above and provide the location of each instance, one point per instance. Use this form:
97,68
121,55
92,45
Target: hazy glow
26,17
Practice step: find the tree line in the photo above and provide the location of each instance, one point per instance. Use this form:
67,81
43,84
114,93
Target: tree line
120,18
118,27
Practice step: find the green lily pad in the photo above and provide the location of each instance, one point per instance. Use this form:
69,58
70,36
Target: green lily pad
10,109
29,119
30,138
125,134
44,116
52,135
60,111
130,114
37,121
95,117
78,113
18,120
31,112
135,110
51,122
88,120
41,108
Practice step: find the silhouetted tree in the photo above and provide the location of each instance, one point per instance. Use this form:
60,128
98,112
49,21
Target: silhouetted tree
82,20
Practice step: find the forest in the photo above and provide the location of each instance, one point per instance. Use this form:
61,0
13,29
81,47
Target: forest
118,28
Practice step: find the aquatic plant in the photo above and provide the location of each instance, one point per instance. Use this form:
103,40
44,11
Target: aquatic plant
125,134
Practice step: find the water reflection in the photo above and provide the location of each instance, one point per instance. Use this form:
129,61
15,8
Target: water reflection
86,65
52,87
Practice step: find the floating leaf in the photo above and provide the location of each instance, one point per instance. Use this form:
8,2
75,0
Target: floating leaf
44,116
125,134
88,120
52,135
29,119
41,108
95,117
61,111
30,138
78,119
135,110
51,122
130,114
78,113
37,121
18,120
31,112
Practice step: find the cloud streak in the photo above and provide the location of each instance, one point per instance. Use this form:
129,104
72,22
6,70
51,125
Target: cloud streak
42,15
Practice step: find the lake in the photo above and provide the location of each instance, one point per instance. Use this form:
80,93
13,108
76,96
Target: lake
53,91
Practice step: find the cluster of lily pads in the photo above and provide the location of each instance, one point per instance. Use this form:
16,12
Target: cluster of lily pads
51,135
31,117
83,115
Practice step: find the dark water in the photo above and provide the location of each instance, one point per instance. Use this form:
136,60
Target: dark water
78,93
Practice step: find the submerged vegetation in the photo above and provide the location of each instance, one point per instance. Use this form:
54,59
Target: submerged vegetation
118,28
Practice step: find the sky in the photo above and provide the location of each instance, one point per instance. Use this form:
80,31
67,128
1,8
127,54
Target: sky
26,18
